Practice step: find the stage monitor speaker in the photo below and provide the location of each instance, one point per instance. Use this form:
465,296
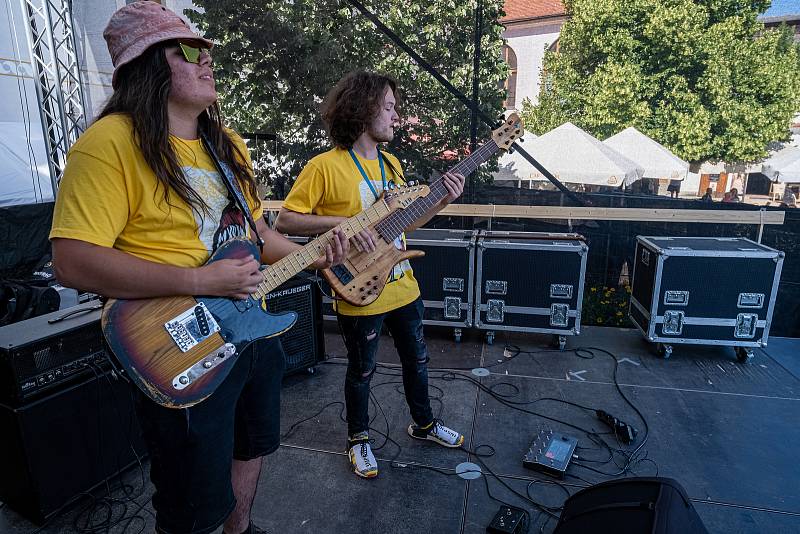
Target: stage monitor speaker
68,442
304,343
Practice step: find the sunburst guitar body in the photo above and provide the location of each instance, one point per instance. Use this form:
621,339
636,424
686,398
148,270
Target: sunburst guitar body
361,278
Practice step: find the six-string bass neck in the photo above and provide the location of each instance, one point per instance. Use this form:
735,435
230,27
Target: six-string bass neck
363,275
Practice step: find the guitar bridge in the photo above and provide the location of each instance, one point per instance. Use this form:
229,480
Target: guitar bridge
191,327
187,377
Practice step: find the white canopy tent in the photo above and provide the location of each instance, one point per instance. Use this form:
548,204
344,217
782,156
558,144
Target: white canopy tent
784,166
656,160
24,172
574,156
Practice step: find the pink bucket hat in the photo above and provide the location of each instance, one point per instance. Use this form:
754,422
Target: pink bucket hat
137,26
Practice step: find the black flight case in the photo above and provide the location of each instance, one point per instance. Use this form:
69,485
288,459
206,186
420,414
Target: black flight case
530,282
446,275
705,291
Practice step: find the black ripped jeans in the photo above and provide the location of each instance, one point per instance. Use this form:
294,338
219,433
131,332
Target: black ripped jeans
361,335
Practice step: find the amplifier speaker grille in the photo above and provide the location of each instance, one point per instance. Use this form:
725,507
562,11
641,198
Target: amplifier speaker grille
304,343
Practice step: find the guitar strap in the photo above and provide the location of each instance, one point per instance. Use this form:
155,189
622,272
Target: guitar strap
233,188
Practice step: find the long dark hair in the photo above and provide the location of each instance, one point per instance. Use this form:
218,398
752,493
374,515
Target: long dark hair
352,104
143,87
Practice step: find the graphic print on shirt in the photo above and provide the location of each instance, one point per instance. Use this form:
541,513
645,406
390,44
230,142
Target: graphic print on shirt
367,200
224,220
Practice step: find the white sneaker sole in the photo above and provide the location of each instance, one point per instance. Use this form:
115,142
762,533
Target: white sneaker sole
428,437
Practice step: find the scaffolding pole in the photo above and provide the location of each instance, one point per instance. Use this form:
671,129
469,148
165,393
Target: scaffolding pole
59,87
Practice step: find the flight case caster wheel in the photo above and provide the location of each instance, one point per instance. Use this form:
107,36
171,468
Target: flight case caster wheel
558,341
744,354
664,350
311,370
490,338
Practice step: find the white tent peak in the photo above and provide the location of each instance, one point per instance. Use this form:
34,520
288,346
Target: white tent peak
575,156
656,159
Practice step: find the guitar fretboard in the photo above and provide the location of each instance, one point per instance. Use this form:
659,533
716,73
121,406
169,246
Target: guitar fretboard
288,266
394,225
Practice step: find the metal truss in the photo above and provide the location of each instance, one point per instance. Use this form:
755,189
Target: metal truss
59,87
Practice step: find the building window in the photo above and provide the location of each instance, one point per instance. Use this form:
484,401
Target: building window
510,85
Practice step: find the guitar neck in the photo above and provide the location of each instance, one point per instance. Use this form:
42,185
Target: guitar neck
284,269
394,225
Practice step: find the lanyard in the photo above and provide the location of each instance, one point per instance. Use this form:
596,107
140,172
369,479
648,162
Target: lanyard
364,174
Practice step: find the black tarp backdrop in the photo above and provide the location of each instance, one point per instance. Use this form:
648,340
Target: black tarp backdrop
23,238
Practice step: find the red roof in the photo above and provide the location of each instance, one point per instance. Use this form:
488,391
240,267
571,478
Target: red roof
532,9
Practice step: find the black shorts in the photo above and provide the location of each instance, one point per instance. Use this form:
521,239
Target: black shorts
191,448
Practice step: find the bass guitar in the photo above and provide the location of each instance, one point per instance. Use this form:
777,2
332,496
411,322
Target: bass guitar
363,275
178,350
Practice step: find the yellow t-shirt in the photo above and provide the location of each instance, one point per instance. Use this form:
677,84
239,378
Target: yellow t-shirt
330,184
109,196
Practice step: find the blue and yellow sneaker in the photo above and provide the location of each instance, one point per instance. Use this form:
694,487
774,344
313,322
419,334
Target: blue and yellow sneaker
436,431
361,459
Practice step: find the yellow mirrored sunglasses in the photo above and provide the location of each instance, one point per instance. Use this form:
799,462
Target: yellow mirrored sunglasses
191,53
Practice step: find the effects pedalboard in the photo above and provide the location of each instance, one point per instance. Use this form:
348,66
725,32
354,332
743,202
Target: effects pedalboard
550,453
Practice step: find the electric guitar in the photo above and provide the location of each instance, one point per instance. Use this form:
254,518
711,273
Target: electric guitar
178,350
363,275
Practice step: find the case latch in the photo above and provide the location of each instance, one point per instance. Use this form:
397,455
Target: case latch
559,315
494,311
673,323
452,307
745,326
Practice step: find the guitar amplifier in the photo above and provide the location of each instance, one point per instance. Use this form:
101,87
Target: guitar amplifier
62,444
44,353
530,282
446,275
304,343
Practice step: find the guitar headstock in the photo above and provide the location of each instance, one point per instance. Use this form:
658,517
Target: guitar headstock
510,129
402,196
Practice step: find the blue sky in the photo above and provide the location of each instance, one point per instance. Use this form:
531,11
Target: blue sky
783,7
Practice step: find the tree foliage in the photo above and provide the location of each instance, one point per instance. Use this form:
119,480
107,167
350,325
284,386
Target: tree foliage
702,77
276,60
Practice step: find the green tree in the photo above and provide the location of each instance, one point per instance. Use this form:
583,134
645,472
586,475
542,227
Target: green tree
276,60
702,77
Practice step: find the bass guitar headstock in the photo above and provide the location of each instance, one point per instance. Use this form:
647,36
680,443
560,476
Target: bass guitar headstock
402,196
510,129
